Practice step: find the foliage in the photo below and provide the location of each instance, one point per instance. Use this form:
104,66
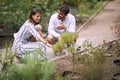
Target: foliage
92,59
61,78
116,27
85,11
92,72
32,69
71,2
7,58
68,40
92,54
14,13
58,47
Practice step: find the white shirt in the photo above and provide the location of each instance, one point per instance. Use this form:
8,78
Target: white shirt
54,22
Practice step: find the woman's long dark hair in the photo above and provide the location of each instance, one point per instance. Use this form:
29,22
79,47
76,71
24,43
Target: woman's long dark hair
34,12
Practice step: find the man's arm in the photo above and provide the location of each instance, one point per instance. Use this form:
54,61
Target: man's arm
51,27
72,25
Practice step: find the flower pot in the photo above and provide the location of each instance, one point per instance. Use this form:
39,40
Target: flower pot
116,76
117,61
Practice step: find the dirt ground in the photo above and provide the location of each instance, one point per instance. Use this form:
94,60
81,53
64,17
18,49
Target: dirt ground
109,68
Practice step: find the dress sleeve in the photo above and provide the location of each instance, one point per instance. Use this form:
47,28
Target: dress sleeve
34,32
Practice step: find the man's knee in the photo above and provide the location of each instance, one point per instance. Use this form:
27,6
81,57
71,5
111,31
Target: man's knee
50,39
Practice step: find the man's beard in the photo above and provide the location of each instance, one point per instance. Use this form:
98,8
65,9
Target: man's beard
60,18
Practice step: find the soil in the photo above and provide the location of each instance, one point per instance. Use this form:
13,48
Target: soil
64,65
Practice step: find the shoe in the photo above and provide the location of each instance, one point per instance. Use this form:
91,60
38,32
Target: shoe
19,58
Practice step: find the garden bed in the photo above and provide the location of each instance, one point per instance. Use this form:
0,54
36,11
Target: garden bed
64,66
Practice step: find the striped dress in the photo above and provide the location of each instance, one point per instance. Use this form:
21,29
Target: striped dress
22,45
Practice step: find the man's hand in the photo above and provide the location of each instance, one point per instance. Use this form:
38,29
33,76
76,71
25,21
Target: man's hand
61,27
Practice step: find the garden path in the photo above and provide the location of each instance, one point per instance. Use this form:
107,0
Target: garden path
98,29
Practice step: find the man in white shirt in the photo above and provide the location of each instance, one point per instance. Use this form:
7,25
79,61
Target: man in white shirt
60,22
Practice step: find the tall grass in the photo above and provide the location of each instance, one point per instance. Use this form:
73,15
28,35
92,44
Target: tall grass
93,60
116,27
32,68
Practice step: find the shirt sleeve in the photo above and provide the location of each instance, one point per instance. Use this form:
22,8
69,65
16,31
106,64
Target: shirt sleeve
72,25
51,28
34,32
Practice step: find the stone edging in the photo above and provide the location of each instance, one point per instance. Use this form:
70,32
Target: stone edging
57,58
82,26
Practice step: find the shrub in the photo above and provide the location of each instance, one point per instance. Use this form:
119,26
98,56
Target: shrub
116,27
93,60
32,68
68,40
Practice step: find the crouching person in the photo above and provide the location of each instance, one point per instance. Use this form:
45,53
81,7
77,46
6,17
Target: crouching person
22,44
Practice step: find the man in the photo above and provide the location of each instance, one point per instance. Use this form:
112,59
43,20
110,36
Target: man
60,22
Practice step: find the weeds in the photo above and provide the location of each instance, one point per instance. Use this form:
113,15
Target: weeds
92,59
116,27
32,68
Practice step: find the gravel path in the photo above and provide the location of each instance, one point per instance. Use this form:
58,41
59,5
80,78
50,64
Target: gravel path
98,29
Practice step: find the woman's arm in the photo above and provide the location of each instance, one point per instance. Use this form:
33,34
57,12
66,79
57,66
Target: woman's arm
36,35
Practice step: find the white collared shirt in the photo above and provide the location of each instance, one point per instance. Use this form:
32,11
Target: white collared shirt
54,22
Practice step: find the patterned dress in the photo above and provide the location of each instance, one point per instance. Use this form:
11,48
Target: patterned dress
22,45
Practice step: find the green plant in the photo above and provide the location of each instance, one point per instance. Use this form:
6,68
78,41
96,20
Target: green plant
6,58
85,11
92,54
68,40
16,12
92,72
32,69
71,2
58,47
93,60
116,27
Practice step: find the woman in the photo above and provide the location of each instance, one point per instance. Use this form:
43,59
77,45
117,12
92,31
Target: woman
21,44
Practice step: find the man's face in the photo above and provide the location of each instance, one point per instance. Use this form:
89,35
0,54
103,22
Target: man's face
61,15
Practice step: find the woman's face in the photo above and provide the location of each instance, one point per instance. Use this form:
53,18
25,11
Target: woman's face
36,18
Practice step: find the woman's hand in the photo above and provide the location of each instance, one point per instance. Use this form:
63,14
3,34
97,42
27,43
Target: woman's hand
49,45
46,43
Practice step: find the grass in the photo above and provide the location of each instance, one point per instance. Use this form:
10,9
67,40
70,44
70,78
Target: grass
90,12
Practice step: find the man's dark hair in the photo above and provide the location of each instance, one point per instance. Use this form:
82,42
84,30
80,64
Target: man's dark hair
64,9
